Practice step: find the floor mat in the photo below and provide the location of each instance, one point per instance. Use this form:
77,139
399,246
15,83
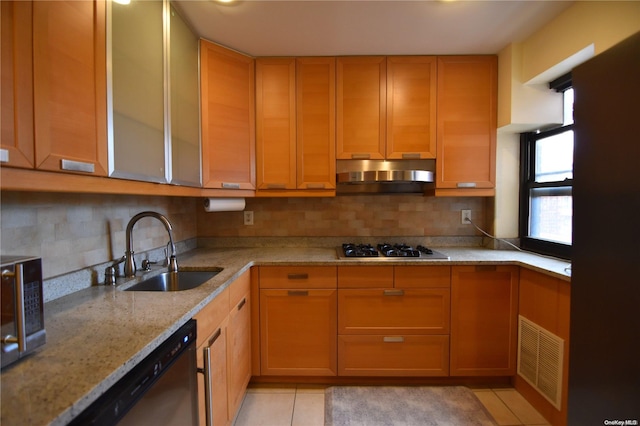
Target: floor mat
404,406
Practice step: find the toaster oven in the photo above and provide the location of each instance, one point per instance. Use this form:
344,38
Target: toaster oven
22,307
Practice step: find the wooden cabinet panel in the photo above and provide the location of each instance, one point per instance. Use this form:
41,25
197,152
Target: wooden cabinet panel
69,85
316,128
276,123
239,344
298,332
466,124
228,118
422,276
393,355
217,342
361,107
17,143
365,276
484,309
411,107
297,277
413,311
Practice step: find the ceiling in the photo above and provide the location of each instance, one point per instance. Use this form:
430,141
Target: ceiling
368,27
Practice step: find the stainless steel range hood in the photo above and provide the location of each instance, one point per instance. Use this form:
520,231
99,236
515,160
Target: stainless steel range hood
384,177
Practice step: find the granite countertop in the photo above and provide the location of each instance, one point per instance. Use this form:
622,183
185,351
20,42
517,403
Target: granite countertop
96,335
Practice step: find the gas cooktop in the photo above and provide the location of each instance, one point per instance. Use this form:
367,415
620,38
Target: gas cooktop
388,251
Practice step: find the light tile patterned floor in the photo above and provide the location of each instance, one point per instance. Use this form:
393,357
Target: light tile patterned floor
290,405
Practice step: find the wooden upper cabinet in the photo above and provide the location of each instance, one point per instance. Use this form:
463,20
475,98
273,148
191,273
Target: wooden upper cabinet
276,123
466,125
411,107
16,147
228,118
361,107
69,86
295,106
316,123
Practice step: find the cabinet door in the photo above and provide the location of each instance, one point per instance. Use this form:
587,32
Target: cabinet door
298,332
411,107
316,148
484,309
393,355
376,311
228,118
276,123
466,123
217,344
16,146
239,342
361,107
69,86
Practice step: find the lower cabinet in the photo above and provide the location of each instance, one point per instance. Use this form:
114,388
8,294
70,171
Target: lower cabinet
298,321
484,309
224,329
393,320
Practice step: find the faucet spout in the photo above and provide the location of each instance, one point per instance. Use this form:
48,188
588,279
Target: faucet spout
130,264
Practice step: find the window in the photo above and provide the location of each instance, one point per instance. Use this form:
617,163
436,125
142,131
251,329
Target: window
546,203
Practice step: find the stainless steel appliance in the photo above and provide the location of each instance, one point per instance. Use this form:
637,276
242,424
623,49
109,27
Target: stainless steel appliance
388,251
22,307
161,390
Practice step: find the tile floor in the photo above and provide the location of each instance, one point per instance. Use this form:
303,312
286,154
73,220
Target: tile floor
291,405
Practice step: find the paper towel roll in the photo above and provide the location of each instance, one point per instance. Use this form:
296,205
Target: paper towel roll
224,204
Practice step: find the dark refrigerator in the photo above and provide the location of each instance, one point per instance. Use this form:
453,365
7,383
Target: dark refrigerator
604,366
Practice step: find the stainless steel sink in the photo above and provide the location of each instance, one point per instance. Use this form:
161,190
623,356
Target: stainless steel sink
175,281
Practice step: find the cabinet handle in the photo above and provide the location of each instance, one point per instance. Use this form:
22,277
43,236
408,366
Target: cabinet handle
360,156
242,303
410,155
298,276
4,156
230,185
315,186
215,336
298,292
393,339
276,185
206,372
77,166
466,185
393,292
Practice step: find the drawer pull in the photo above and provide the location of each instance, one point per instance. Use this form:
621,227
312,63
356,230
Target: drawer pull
466,185
215,337
230,185
298,292
4,156
77,166
276,185
410,155
242,303
393,292
315,186
361,156
298,276
393,339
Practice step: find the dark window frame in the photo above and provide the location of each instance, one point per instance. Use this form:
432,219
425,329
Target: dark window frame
528,183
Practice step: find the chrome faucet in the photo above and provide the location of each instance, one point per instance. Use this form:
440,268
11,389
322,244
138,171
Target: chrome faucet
130,263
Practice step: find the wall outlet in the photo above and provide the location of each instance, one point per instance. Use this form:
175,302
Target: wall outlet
248,218
465,217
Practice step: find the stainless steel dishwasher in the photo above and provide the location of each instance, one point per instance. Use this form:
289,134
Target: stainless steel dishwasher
161,390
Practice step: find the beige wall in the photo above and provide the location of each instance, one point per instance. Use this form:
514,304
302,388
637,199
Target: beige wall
347,216
585,29
71,231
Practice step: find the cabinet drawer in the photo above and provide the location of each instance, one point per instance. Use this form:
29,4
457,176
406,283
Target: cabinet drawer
297,277
365,276
239,289
375,311
211,316
422,276
393,355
